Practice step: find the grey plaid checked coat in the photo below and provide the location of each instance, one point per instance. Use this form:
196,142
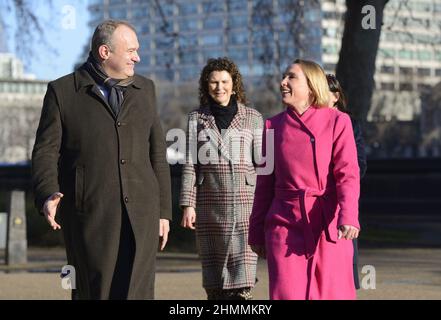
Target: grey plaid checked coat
220,184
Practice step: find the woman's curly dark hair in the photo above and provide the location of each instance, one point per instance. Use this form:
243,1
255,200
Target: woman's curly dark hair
221,64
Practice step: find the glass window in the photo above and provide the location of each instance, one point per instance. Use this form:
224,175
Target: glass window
423,71
142,28
263,36
145,60
188,8
238,54
118,13
140,12
212,53
237,21
387,69
188,41
438,72
188,25
165,74
237,5
238,38
406,71
96,13
387,86
164,27
117,1
166,9
424,55
164,58
211,7
213,23
189,57
164,43
144,42
212,40
187,74
406,86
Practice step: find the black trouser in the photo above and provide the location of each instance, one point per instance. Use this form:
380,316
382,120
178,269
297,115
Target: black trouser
124,264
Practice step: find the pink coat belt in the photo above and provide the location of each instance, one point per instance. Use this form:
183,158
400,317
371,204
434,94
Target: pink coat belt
301,194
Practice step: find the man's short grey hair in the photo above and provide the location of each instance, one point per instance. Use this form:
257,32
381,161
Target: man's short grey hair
103,35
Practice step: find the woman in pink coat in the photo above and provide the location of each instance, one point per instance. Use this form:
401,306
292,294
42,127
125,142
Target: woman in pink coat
305,212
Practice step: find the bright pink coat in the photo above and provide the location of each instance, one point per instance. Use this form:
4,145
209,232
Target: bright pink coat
297,209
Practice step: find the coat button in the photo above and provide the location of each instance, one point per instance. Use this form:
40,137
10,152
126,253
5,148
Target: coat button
126,199
123,161
312,139
118,124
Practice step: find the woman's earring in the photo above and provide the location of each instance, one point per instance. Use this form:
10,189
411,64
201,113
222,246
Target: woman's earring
234,92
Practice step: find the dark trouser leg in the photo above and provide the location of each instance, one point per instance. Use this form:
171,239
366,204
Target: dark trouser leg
355,264
124,264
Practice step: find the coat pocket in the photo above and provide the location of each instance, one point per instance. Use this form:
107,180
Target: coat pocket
79,188
200,179
250,179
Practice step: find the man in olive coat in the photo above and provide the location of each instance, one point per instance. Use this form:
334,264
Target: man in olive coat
99,164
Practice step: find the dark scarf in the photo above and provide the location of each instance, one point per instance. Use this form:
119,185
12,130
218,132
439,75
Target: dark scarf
115,87
223,115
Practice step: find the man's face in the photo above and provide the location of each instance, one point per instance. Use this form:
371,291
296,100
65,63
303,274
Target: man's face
120,63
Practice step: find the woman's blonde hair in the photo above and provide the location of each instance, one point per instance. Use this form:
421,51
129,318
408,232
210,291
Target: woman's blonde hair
317,83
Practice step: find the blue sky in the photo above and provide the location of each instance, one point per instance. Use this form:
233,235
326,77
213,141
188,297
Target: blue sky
66,32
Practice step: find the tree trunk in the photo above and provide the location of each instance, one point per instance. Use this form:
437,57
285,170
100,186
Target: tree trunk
356,64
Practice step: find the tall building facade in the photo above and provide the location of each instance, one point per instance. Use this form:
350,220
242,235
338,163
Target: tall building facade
21,98
408,60
177,37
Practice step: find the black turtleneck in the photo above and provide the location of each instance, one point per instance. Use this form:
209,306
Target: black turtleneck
223,115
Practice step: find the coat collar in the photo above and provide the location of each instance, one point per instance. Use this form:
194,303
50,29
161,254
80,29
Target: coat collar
209,122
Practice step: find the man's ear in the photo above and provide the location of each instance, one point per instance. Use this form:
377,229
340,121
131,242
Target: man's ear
104,51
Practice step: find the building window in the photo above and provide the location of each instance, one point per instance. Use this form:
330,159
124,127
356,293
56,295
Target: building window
188,41
387,69
389,86
144,43
238,38
117,2
189,57
118,13
164,27
406,54
142,28
140,12
238,55
164,58
166,9
187,74
145,60
425,72
212,53
213,23
164,43
424,55
188,8
237,5
406,86
212,40
165,74
438,72
424,87
236,22
406,71
212,7
188,25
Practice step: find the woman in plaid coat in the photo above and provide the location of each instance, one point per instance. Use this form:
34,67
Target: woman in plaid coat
218,180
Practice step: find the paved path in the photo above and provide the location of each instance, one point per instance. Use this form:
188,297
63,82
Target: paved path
400,274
